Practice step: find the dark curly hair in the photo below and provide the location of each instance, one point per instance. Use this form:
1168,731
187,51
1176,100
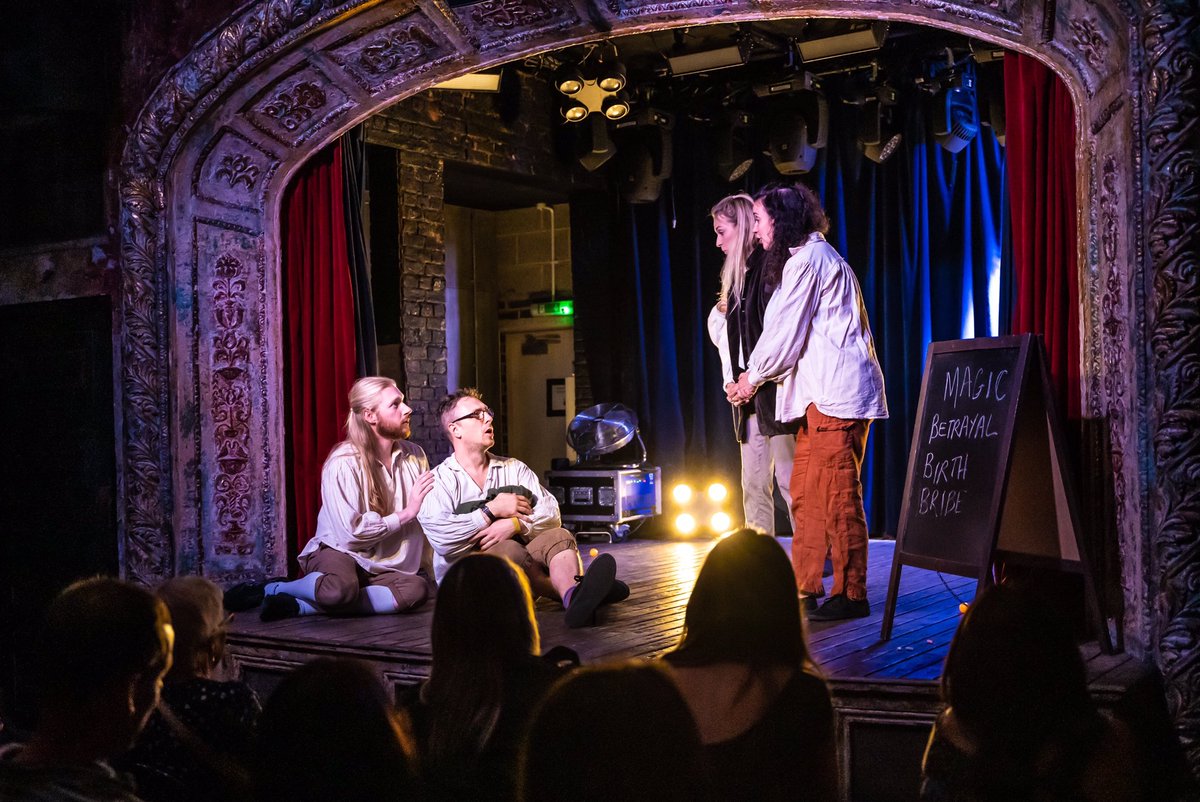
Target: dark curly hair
795,212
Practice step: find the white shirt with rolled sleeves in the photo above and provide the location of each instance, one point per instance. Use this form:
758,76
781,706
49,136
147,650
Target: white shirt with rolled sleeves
816,341
451,533
377,542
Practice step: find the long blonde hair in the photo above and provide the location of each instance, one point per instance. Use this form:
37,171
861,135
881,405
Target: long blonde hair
738,211
364,396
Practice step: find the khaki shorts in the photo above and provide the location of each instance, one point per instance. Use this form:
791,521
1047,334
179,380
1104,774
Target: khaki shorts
539,551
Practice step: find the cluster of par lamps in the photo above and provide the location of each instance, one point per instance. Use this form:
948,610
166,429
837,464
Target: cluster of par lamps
594,86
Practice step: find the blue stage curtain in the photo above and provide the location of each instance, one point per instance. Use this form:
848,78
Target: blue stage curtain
646,276
923,232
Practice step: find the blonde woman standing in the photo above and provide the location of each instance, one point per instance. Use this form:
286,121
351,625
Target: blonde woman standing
734,325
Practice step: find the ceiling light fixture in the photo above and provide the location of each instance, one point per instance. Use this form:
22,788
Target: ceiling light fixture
594,86
473,82
859,37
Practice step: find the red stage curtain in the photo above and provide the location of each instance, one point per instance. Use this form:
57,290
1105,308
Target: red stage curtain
319,349
1041,145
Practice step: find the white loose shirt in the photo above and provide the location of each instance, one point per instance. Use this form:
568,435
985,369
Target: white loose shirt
816,341
451,533
346,522
718,332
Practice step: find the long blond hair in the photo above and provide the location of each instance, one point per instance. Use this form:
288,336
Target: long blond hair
737,210
364,396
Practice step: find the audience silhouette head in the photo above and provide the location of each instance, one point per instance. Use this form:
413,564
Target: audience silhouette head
329,731
641,741
103,649
198,616
744,606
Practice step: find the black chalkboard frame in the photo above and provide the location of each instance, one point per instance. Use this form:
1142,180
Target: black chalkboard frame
959,561
1032,380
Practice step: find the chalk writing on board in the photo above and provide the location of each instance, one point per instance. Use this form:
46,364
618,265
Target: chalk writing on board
971,395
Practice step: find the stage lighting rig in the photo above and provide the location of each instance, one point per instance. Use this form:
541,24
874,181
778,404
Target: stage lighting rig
955,104
596,85
878,135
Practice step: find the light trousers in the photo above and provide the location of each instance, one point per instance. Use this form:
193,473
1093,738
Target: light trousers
763,459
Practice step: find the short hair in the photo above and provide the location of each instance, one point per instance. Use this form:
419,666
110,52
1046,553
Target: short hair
97,633
197,615
446,406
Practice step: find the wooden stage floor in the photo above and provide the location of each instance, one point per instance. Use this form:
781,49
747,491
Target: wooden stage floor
660,575
885,693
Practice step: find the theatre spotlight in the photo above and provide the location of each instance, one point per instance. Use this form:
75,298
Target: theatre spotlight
646,159
573,111
877,134
568,80
733,153
594,86
615,106
610,73
796,132
956,112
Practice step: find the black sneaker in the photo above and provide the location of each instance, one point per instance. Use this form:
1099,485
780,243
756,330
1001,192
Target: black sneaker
278,607
808,604
591,591
840,607
619,591
248,595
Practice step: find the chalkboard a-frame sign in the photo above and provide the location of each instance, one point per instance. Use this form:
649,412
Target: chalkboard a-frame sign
987,474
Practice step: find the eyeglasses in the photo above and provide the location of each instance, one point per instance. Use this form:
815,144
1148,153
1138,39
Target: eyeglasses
480,415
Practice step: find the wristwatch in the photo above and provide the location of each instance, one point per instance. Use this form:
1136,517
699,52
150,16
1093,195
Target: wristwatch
491,516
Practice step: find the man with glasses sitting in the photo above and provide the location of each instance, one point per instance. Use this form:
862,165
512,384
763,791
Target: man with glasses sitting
481,502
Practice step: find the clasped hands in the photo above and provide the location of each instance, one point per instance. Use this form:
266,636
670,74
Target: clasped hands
511,510
739,392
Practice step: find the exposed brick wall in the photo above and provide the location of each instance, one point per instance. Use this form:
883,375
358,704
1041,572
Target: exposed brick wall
427,130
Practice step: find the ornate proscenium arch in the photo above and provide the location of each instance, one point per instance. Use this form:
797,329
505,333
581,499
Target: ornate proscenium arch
205,165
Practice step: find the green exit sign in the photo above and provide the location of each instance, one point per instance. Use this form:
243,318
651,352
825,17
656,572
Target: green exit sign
555,309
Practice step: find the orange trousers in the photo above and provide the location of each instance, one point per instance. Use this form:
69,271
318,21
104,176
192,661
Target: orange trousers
827,505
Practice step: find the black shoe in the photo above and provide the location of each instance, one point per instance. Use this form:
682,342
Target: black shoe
619,592
278,607
248,595
808,604
839,607
591,591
